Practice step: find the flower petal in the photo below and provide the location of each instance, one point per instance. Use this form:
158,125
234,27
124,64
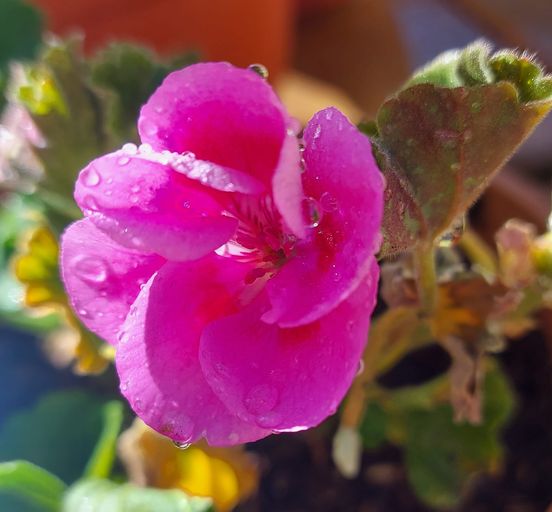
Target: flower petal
287,379
287,188
143,204
157,358
223,114
344,190
101,277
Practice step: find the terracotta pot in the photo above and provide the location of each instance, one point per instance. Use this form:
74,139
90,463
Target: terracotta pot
240,31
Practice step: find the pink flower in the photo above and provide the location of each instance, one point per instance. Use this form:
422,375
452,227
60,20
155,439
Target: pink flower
233,269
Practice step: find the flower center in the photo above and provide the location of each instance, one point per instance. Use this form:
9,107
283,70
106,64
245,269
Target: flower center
259,238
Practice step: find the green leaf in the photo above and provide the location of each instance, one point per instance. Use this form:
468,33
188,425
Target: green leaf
105,496
441,139
58,434
57,94
129,74
101,461
373,427
441,455
32,483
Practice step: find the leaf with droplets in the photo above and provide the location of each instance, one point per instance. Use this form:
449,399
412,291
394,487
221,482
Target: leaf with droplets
441,139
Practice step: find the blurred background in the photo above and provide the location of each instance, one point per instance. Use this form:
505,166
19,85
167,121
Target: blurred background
351,54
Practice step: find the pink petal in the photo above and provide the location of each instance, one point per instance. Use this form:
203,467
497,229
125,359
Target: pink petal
344,187
157,358
145,205
223,114
288,379
287,188
102,278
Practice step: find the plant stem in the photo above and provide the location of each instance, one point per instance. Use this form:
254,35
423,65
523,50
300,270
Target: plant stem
426,274
478,251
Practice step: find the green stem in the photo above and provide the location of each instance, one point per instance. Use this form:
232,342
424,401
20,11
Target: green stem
426,277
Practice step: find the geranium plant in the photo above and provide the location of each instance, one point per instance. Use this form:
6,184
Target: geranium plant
227,261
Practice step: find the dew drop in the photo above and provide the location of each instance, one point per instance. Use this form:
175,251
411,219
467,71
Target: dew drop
181,445
124,160
90,203
90,269
134,199
145,148
328,202
90,177
259,69
269,420
149,128
454,234
360,369
130,148
261,399
312,212
83,312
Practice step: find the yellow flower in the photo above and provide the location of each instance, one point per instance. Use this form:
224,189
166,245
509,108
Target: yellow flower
37,269
227,475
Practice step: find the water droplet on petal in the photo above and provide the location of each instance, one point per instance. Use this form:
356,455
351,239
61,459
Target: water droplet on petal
90,269
124,160
90,203
312,212
269,420
328,202
83,312
149,128
130,148
91,177
145,148
259,69
360,369
261,399
182,446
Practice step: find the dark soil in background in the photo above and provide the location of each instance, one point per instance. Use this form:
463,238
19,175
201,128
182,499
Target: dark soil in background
298,475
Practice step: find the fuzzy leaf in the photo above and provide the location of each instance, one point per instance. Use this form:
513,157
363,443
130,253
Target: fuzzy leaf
442,454
442,138
69,115
129,75
105,496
